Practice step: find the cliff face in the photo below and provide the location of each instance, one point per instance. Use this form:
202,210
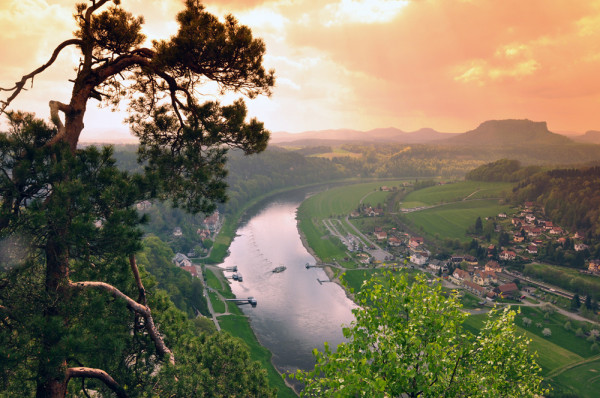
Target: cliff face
509,133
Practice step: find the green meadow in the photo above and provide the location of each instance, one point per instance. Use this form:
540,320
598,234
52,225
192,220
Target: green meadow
452,220
454,192
567,360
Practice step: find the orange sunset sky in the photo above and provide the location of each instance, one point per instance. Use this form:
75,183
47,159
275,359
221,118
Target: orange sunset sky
362,64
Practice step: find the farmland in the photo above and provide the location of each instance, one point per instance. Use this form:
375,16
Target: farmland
452,220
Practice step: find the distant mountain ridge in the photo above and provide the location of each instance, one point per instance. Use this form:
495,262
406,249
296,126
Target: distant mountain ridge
501,133
389,134
590,137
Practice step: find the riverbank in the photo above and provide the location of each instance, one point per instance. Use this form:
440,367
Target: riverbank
233,320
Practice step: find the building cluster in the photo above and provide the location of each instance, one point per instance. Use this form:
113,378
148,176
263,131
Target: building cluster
183,261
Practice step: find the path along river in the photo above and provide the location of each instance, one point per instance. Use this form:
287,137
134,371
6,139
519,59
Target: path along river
295,312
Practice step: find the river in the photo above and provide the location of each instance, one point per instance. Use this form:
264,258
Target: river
295,312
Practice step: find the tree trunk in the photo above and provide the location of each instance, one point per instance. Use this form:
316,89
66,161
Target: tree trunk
52,372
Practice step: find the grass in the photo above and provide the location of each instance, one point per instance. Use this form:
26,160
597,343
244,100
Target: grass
238,326
212,280
341,201
455,192
337,153
550,355
217,303
452,220
561,337
582,380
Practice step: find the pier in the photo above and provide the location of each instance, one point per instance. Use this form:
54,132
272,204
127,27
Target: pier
250,300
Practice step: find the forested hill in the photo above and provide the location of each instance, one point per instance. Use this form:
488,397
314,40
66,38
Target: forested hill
569,196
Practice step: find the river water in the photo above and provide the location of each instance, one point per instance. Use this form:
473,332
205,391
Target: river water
295,312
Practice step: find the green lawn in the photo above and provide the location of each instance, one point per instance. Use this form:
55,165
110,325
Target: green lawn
217,303
212,280
550,355
452,220
343,200
239,327
561,337
582,380
455,192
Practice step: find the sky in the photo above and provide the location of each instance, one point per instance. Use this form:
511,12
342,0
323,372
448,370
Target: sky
361,64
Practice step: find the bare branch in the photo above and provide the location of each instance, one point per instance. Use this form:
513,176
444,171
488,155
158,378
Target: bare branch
100,375
138,280
159,343
21,84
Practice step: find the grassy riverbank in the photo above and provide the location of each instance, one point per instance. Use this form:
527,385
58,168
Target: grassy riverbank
236,323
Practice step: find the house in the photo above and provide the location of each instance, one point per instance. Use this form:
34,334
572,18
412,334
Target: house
381,235
529,204
507,290
143,205
508,255
470,259
518,239
556,231
517,222
212,222
378,211
192,270
580,247
484,278
418,258
534,232
385,188
548,225
493,266
457,259
177,232
459,276
355,214
578,235
474,288
203,233
562,240
393,241
181,260
377,229
415,242
437,265
531,249
594,266
530,218
502,215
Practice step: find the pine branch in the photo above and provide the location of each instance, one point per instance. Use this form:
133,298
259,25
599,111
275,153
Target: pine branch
100,375
151,328
19,86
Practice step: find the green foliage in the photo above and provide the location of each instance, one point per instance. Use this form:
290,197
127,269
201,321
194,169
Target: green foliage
502,170
408,340
185,291
568,196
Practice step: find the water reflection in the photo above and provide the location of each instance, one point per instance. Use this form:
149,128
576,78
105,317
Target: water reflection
295,313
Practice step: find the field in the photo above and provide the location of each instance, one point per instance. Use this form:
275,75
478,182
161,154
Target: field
566,359
343,200
454,192
452,220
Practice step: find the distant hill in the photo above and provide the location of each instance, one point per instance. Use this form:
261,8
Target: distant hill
508,133
590,137
390,134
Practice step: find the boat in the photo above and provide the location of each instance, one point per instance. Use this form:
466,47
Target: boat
279,269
